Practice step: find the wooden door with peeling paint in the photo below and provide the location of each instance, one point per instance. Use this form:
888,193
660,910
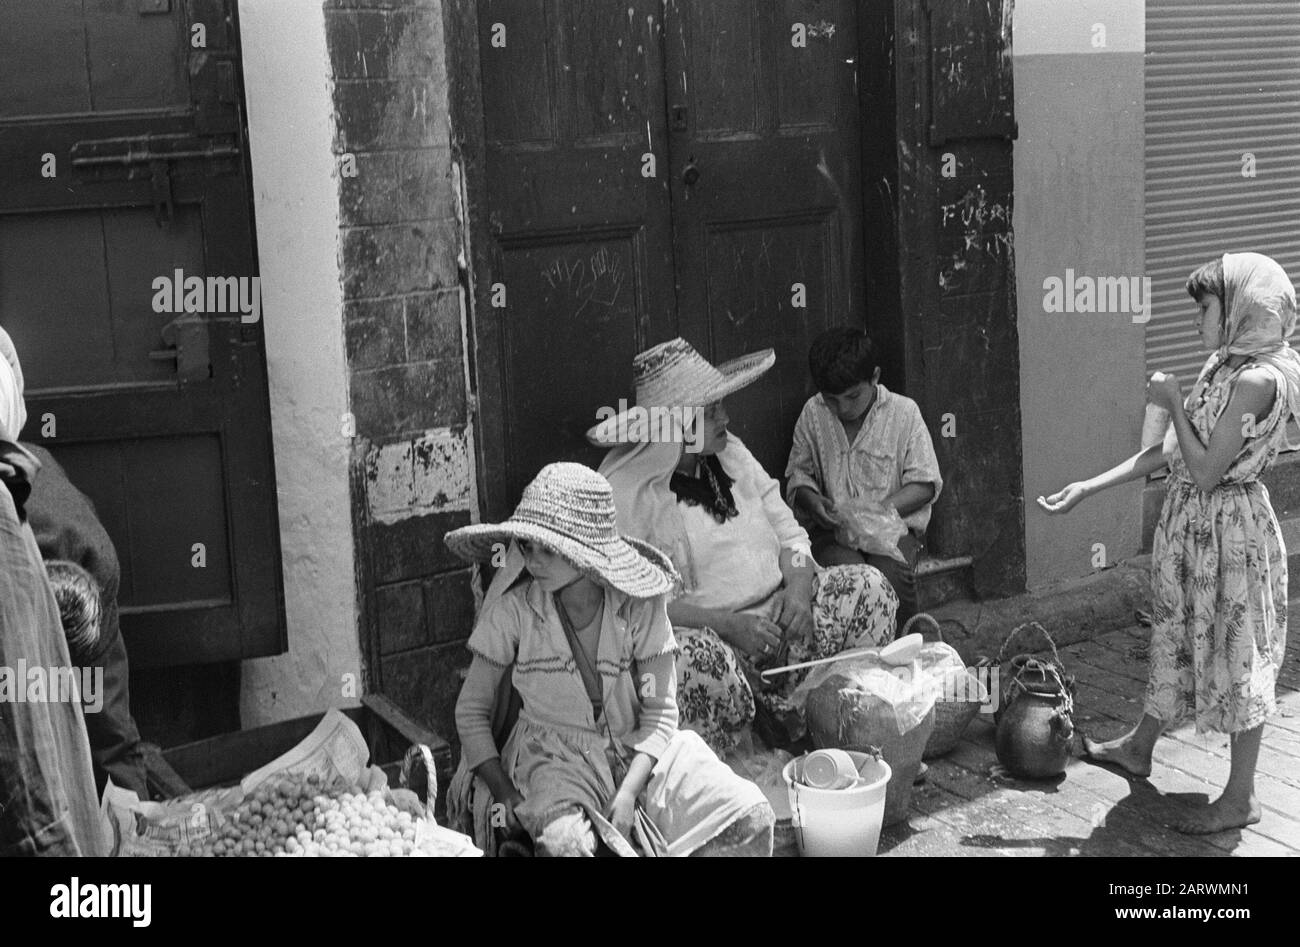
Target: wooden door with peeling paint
580,238
765,177
596,115
122,148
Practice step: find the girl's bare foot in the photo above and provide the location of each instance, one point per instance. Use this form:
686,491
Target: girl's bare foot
1217,816
1121,752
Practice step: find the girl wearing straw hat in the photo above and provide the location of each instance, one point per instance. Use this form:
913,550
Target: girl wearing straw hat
753,596
576,617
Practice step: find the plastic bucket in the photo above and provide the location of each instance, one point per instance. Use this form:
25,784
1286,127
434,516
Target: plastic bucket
832,823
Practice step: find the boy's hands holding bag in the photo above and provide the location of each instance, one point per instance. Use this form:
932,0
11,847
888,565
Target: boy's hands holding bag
871,528
820,509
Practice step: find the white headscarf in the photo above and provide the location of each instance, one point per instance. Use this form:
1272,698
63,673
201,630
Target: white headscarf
13,411
1260,303
645,504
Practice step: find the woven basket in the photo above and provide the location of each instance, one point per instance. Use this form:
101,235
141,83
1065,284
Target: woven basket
951,717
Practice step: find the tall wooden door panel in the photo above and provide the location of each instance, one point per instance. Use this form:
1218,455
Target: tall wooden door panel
748,235
766,191
123,151
580,239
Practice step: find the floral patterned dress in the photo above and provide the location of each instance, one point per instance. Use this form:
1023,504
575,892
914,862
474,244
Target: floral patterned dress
1219,577
852,606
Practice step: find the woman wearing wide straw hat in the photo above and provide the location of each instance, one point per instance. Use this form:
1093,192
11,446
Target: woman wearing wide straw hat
753,596
576,617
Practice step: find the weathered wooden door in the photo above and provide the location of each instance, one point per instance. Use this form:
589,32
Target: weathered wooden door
122,149
753,189
581,241
765,176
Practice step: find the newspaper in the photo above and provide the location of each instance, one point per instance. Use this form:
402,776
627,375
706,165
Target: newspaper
335,751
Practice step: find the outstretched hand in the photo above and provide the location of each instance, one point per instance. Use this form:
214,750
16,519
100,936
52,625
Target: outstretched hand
1063,501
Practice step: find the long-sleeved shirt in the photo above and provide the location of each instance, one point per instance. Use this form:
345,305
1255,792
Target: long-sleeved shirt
892,449
738,562
66,527
48,804
521,631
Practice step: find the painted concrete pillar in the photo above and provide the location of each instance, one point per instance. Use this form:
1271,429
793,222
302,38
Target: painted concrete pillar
1078,221
296,207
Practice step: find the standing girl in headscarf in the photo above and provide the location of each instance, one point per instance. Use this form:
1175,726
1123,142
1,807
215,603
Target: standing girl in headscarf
1219,583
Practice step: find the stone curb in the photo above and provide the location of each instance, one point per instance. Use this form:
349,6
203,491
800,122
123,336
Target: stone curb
1072,611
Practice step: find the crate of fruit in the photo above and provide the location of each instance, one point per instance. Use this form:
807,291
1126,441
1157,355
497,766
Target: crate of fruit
322,796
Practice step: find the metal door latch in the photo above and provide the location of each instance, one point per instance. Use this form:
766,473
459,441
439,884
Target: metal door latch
132,158
187,339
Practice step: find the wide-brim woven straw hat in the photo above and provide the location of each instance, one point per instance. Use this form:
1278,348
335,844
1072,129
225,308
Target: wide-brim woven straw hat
569,509
674,375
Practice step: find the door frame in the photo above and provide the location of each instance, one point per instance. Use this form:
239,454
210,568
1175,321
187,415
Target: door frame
878,162
215,78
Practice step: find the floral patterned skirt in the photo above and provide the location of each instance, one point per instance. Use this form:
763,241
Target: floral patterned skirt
1219,597
852,606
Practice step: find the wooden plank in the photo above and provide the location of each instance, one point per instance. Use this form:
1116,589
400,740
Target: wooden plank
1115,819
1025,819
1272,764
1288,713
934,838
1185,768
1141,814
407,726
1126,640
228,757
1098,655
1125,708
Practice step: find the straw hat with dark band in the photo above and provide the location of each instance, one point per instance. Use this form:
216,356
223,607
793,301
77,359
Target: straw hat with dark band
569,509
674,375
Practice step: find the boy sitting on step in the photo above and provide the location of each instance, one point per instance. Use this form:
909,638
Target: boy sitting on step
856,440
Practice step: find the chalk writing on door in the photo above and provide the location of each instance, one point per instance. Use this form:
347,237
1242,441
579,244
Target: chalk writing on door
985,230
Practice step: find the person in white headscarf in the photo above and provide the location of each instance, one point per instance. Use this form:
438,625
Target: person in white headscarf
47,787
753,596
13,410
1219,570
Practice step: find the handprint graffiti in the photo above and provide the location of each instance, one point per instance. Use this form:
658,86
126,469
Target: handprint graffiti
597,278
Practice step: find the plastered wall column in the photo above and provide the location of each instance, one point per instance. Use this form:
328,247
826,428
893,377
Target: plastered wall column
1078,221
290,118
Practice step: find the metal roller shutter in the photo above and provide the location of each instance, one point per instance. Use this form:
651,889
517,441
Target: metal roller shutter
1222,79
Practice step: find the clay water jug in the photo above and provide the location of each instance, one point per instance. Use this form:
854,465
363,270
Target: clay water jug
1035,734
1035,713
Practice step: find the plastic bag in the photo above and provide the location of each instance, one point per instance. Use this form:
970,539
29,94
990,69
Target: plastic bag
864,691
870,527
763,769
